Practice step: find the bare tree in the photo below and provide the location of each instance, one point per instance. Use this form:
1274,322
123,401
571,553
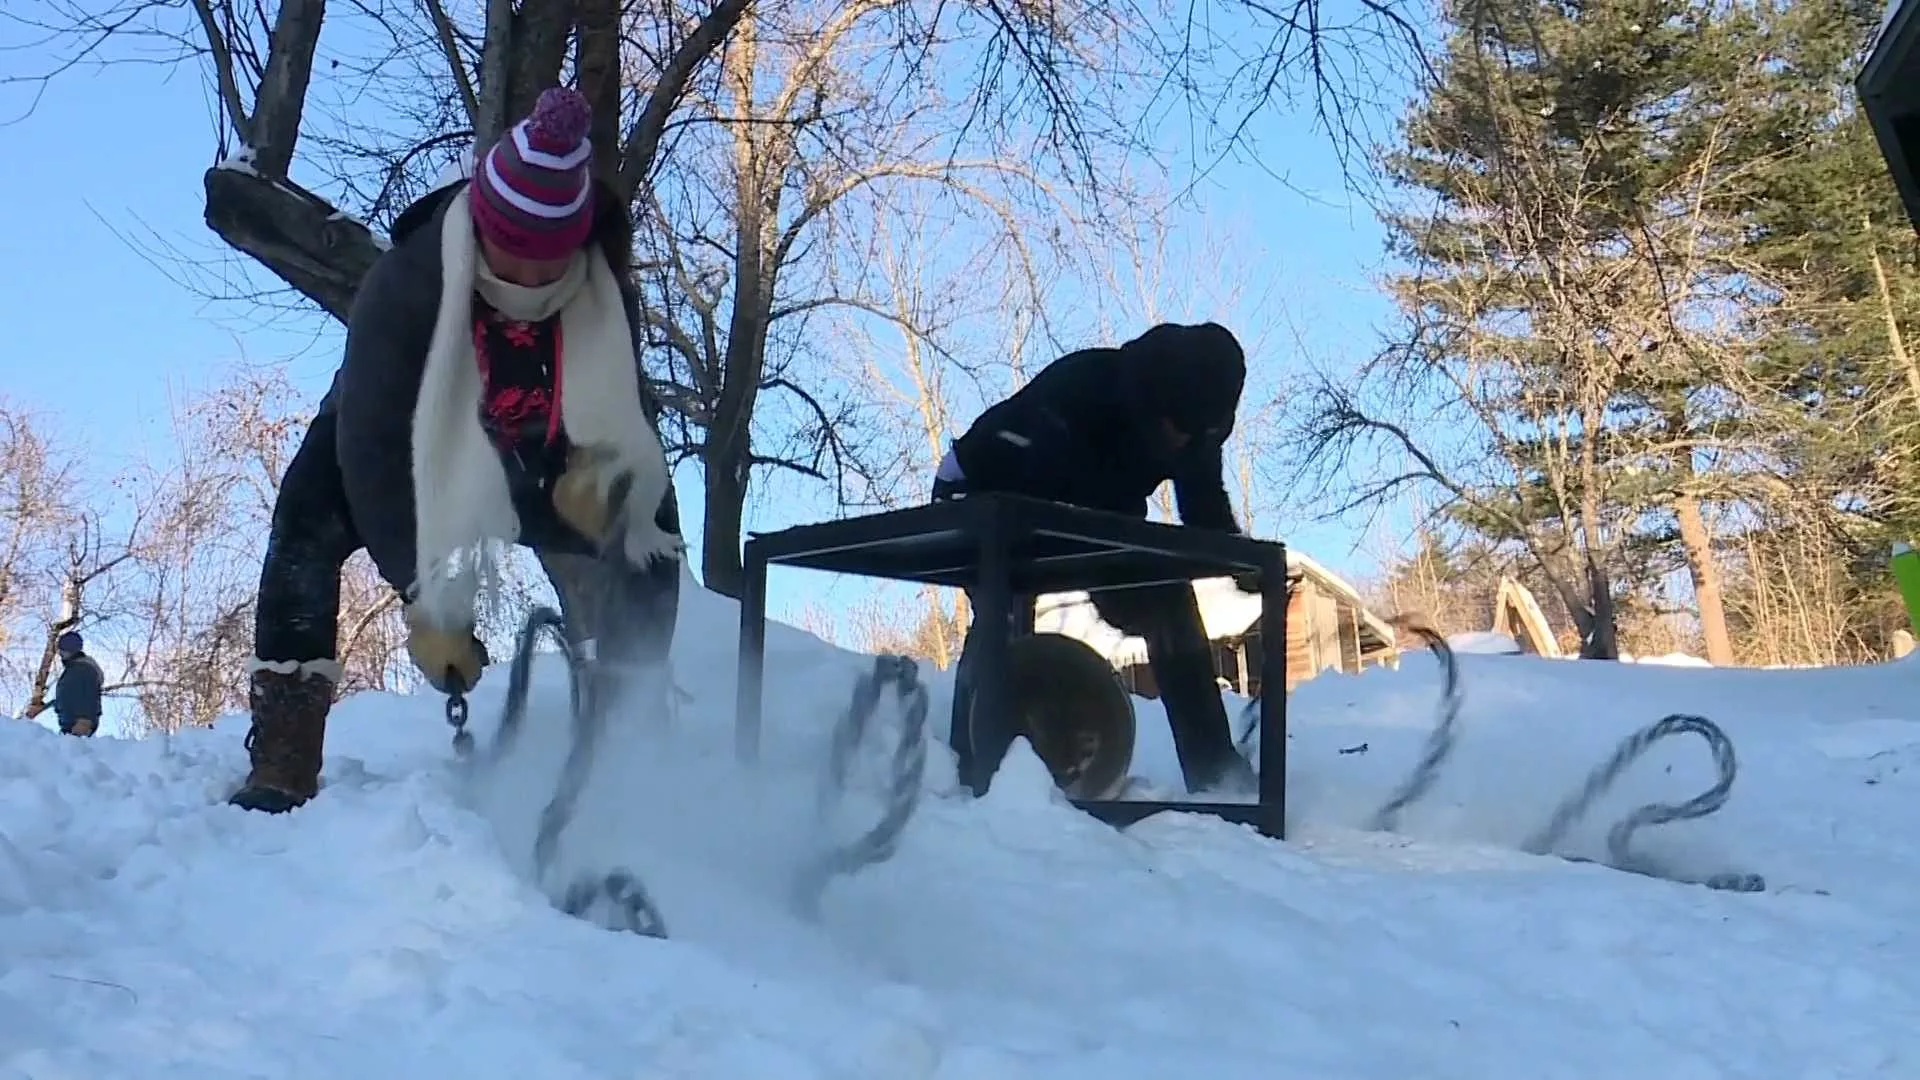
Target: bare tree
759,238
401,90
87,586
37,511
197,558
937,337
1169,267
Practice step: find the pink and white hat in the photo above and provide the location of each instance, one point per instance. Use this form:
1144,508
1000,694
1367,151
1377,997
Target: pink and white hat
533,192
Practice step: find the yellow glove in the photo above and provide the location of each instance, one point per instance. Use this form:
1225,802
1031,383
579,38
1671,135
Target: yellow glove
582,497
439,653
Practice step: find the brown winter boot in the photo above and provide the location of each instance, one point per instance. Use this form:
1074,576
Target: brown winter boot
288,735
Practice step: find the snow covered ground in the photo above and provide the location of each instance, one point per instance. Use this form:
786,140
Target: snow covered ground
388,930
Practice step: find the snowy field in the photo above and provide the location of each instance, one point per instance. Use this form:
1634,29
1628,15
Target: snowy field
388,930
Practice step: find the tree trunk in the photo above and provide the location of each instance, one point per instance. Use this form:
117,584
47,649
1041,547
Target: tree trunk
302,238
282,94
1704,569
323,253
1896,341
1600,639
541,31
597,66
70,602
726,491
728,453
1600,634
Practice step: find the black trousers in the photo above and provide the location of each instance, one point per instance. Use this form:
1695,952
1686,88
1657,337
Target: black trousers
629,612
1167,618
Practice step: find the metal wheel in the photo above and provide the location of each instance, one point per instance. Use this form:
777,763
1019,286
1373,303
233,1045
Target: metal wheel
1071,707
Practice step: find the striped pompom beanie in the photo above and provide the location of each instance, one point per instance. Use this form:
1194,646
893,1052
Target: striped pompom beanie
533,191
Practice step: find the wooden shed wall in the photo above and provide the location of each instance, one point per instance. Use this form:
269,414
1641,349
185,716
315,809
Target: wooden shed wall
1322,633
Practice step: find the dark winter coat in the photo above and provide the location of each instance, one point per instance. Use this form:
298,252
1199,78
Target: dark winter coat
1087,430
374,394
77,693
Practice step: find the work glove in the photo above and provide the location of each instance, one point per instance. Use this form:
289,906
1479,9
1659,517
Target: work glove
83,726
591,496
443,656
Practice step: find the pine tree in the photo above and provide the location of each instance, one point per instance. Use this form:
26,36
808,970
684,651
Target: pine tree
1561,235
1836,295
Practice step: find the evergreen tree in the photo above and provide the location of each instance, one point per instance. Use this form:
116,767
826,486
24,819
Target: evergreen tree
1830,250
1561,231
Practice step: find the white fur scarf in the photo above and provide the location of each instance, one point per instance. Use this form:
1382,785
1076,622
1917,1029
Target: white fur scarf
461,501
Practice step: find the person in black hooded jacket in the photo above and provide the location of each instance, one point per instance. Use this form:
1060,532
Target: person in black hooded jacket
1103,429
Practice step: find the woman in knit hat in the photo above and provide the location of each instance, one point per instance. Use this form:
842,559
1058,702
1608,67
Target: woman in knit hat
491,391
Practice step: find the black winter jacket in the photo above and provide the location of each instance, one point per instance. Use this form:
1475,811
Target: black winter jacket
389,331
1086,431
77,693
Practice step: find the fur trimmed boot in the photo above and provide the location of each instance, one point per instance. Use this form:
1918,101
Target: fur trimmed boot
290,702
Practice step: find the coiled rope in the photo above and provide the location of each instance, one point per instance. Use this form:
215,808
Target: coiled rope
1620,854
620,893
626,901
907,769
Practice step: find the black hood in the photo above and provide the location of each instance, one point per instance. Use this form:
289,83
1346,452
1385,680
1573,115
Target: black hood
1189,375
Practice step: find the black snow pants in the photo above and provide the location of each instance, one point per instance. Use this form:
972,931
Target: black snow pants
628,612
1167,618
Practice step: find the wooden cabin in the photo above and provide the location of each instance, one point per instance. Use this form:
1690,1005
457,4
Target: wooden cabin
1517,614
1328,629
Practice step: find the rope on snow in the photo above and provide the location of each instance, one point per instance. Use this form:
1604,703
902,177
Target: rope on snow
1444,737
907,768
632,908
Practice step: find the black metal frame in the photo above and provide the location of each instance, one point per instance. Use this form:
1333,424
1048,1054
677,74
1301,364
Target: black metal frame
1889,88
1003,546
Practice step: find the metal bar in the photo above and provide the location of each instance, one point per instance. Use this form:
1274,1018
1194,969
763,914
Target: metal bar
856,532
1273,693
1108,534
752,660
987,544
989,728
1121,813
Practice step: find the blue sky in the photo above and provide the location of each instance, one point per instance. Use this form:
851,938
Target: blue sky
103,180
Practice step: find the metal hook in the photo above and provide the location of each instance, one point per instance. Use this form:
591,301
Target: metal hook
457,713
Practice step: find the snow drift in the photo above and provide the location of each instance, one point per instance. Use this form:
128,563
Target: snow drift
388,929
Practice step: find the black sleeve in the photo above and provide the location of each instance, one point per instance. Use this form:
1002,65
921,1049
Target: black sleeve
1200,489
1019,447
1034,442
388,332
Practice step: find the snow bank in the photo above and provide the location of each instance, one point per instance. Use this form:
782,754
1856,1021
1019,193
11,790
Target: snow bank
147,930
1484,643
1672,659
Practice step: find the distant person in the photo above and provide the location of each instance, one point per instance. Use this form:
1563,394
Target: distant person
76,696
1103,429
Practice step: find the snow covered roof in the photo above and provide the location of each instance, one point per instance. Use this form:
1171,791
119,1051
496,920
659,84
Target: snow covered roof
1225,612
